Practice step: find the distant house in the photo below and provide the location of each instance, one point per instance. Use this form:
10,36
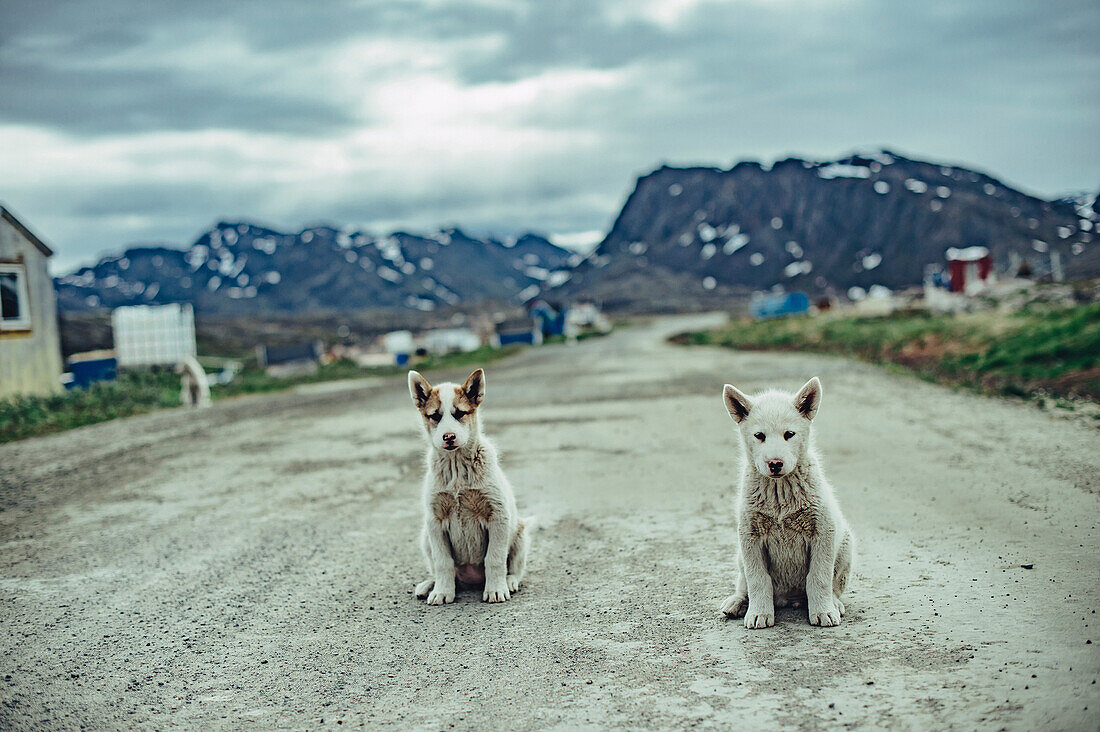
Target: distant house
586,315
550,317
525,331
295,360
970,269
364,356
30,347
451,340
401,344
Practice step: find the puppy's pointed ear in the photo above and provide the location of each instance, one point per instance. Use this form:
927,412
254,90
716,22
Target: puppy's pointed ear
474,388
808,398
419,388
737,402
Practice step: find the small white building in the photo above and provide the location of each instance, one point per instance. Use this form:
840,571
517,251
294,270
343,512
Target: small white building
586,315
451,340
399,341
30,347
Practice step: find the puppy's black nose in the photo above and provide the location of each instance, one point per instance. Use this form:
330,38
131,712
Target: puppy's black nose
449,437
776,466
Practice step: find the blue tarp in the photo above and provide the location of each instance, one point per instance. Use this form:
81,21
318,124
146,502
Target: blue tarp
777,306
86,373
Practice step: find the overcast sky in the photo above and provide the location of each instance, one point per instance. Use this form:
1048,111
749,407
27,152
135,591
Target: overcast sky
125,122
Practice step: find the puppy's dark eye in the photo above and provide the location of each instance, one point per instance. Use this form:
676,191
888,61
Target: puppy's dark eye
459,414
788,435
759,436
436,416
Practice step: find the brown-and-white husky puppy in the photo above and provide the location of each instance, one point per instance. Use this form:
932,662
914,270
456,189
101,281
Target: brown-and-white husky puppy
472,534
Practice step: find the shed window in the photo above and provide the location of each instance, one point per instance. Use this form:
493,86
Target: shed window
15,310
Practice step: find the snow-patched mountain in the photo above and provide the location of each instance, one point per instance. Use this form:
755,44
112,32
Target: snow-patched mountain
868,219
241,267
685,237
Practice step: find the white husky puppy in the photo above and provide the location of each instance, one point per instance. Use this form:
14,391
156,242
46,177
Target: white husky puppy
472,532
795,544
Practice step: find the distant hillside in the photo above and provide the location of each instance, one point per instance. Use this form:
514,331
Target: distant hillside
686,238
687,233
241,268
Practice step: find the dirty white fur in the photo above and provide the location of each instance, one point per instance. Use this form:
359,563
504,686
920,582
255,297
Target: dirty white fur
472,532
795,545
194,386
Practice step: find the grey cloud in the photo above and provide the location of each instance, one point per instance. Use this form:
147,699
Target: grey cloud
145,100
1009,86
142,200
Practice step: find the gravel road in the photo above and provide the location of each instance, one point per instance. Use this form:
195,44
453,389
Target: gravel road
251,566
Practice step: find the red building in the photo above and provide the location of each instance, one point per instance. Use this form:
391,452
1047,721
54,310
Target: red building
969,269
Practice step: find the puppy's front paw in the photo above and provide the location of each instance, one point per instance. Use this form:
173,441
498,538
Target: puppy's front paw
758,617
513,583
443,596
825,617
424,588
496,592
734,606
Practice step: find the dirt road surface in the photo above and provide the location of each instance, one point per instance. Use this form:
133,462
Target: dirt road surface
251,566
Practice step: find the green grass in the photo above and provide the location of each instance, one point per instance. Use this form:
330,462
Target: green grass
1052,350
137,392
133,393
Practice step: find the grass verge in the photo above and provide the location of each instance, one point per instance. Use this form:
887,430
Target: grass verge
1036,352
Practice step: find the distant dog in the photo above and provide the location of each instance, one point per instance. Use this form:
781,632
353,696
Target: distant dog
472,532
194,386
795,544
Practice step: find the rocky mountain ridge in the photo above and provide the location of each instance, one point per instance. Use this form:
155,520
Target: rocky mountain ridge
238,267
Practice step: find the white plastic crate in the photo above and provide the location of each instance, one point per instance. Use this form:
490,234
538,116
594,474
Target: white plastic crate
154,335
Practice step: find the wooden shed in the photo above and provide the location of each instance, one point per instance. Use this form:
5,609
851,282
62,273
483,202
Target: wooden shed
30,347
